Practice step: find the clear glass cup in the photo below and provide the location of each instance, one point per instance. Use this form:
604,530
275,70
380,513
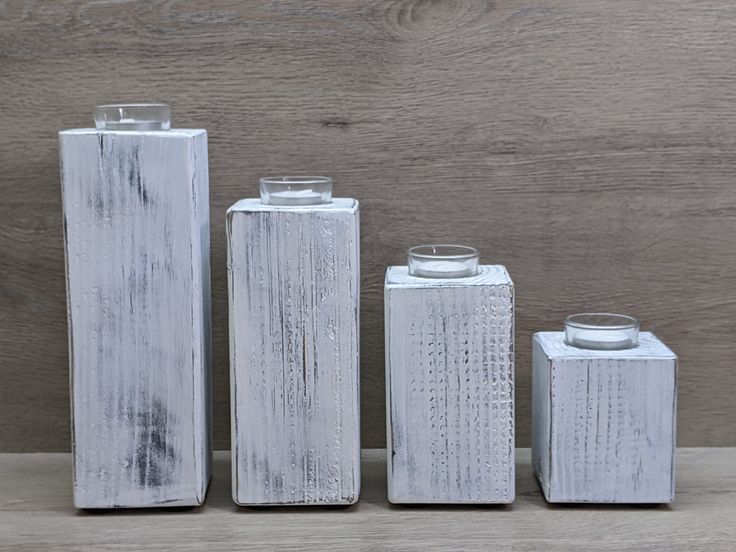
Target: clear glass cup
443,261
296,190
602,331
150,116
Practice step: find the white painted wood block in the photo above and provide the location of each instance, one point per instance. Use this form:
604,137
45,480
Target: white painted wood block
136,222
603,422
294,303
450,387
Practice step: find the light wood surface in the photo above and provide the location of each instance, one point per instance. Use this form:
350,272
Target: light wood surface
588,145
36,513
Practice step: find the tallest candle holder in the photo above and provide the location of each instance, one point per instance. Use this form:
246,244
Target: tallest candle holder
293,268
136,226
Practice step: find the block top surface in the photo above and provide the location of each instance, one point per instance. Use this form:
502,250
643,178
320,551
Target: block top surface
488,275
253,205
650,346
178,132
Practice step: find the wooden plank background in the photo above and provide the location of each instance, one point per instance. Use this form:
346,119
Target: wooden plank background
588,145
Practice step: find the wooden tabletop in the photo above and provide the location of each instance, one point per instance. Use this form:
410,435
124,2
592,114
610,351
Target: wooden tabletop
36,513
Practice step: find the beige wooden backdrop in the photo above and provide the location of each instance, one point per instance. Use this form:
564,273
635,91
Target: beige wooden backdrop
588,145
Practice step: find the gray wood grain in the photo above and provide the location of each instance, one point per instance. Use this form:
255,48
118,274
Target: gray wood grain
36,514
588,145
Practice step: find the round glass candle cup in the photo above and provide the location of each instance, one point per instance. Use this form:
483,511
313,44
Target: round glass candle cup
296,190
443,261
152,116
602,331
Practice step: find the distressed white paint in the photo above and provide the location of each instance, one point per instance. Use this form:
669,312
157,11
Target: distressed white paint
450,387
136,220
294,298
603,422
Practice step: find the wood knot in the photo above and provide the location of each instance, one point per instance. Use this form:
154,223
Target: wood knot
337,122
418,20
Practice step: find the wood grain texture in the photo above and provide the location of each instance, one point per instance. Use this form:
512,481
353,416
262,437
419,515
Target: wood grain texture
587,145
36,515
450,387
136,219
604,421
294,287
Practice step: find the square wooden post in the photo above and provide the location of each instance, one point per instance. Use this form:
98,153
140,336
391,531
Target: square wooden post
136,226
450,387
294,286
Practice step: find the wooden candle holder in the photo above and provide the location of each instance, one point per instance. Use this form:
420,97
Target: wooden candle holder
603,421
294,328
136,226
450,386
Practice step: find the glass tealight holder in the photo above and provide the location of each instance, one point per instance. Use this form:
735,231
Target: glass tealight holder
296,190
443,261
144,116
602,331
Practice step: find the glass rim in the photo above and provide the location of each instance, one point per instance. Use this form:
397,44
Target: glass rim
123,105
123,117
296,180
431,252
627,322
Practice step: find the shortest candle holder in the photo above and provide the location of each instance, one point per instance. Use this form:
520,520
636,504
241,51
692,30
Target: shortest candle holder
603,412
449,379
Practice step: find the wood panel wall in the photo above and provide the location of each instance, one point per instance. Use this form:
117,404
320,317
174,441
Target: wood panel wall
588,145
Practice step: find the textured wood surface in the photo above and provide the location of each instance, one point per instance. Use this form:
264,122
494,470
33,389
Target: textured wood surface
604,421
294,305
36,515
450,387
588,145
136,217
